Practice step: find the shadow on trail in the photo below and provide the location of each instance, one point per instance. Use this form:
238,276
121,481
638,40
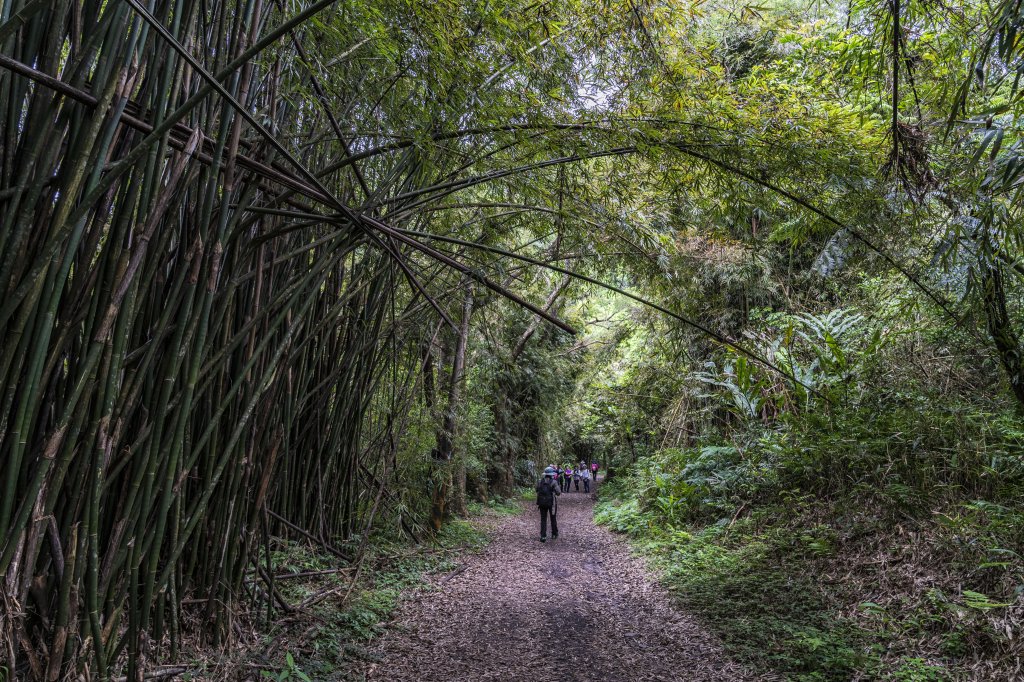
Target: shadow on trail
576,608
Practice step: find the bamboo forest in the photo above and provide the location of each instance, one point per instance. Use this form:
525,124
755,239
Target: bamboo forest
315,313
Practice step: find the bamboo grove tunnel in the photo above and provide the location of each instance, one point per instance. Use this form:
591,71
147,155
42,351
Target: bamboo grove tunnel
311,272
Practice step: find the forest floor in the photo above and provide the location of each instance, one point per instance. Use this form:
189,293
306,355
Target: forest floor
581,607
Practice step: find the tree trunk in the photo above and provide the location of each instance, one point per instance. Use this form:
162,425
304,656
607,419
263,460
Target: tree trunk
445,437
459,499
1000,328
531,329
499,470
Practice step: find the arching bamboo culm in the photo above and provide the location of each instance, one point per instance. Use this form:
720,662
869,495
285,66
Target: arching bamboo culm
219,273
179,371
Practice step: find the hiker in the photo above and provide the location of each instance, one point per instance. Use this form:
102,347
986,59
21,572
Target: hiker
547,501
576,479
585,475
593,471
563,479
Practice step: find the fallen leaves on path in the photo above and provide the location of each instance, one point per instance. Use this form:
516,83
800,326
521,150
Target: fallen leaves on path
576,608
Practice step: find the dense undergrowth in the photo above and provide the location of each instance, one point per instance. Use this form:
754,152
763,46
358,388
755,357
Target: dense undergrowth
332,618
272,271
873,549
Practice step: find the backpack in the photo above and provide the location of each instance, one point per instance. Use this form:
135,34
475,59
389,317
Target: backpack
546,494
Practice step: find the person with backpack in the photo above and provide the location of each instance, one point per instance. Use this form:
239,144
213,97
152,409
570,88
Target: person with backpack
547,502
563,479
585,475
576,479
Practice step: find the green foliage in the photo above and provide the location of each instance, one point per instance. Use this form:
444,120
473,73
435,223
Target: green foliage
768,526
822,355
732,580
501,506
682,486
289,673
918,670
195,336
740,538
325,646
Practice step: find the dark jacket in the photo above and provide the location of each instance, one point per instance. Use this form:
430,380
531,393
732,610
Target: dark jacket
555,491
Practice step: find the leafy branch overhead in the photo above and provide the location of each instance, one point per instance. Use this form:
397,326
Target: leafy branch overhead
323,273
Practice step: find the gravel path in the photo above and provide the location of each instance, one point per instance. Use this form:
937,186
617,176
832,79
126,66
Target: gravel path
576,608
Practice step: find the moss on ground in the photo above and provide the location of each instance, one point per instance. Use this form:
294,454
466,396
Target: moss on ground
811,596
326,634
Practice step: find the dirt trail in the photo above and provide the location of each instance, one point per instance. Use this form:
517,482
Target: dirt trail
576,608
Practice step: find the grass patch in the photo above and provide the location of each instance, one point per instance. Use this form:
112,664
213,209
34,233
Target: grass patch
764,614
812,595
731,579
324,641
396,570
508,506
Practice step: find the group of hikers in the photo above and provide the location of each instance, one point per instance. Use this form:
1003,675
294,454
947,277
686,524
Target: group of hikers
567,476
558,480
